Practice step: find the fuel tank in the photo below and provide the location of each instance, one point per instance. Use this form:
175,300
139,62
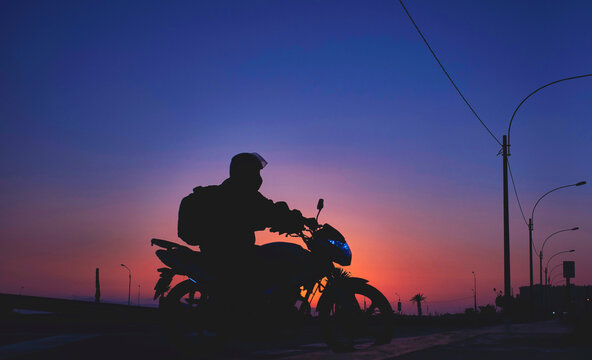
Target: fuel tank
282,261
288,254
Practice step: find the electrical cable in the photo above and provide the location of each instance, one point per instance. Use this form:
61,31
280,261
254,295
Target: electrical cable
516,193
475,113
447,75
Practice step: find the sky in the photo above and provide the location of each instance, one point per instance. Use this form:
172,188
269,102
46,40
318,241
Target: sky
112,111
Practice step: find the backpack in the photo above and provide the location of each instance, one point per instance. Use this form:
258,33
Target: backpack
194,212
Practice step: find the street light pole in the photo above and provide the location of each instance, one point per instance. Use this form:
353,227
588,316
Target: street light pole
554,268
541,253
129,286
399,304
530,251
547,265
507,284
507,144
551,281
505,152
475,290
530,228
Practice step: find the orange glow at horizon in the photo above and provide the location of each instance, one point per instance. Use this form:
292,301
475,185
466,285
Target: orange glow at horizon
394,243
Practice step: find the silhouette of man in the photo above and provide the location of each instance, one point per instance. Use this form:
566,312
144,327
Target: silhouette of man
232,212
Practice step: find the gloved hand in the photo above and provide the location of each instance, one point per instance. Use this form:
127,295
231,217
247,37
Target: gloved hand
311,223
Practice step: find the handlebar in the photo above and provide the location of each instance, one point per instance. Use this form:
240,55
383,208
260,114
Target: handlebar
306,237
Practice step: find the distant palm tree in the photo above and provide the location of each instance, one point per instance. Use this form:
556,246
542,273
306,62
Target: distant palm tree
418,298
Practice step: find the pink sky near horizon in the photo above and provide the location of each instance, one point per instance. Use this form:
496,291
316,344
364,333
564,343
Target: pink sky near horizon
402,243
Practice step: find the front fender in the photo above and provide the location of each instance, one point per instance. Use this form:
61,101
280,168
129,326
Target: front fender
355,281
339,288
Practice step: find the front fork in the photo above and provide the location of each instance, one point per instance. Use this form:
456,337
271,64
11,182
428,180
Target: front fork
341,288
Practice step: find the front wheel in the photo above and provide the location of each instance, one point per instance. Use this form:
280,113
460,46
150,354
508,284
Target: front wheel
355,317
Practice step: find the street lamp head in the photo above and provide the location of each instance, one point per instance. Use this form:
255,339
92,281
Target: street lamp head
576,228
581,183
571,250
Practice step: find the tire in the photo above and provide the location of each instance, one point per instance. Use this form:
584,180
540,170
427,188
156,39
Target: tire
188,318
347,325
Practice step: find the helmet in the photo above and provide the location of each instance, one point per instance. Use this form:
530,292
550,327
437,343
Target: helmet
245,164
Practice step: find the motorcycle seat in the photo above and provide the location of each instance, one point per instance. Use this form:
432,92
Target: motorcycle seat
166,244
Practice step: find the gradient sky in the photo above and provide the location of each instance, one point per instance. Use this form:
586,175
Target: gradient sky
112,111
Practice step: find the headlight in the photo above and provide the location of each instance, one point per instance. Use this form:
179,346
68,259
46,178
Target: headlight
342,246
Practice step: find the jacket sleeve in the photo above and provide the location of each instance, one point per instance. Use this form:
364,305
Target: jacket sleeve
279,217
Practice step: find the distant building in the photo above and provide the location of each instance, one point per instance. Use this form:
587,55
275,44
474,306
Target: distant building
554,298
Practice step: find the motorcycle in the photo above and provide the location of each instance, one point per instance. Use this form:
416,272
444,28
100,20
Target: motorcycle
351,313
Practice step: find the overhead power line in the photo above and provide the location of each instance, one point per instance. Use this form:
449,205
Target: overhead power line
516,193
475,113
447,75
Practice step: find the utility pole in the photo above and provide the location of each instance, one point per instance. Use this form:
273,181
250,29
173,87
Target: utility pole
531,288
530,254
475,290
507,284
97,287
129,284
541,268
505,152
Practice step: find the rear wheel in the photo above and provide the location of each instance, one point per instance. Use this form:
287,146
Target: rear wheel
355,318
188,320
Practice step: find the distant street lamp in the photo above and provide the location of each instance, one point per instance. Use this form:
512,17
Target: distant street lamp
475,290
547,265
542,247
551,281
505,151
554,268
530,228
129,287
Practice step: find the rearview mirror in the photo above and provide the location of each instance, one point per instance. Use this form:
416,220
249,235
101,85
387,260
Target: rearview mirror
320,204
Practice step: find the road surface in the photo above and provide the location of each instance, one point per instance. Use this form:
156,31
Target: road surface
41,337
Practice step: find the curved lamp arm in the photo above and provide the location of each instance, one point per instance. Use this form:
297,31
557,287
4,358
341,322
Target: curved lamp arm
557,232
532,93
128,269
561,252
554,268
550,191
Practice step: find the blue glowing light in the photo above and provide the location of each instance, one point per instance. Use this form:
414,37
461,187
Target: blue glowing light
341,245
